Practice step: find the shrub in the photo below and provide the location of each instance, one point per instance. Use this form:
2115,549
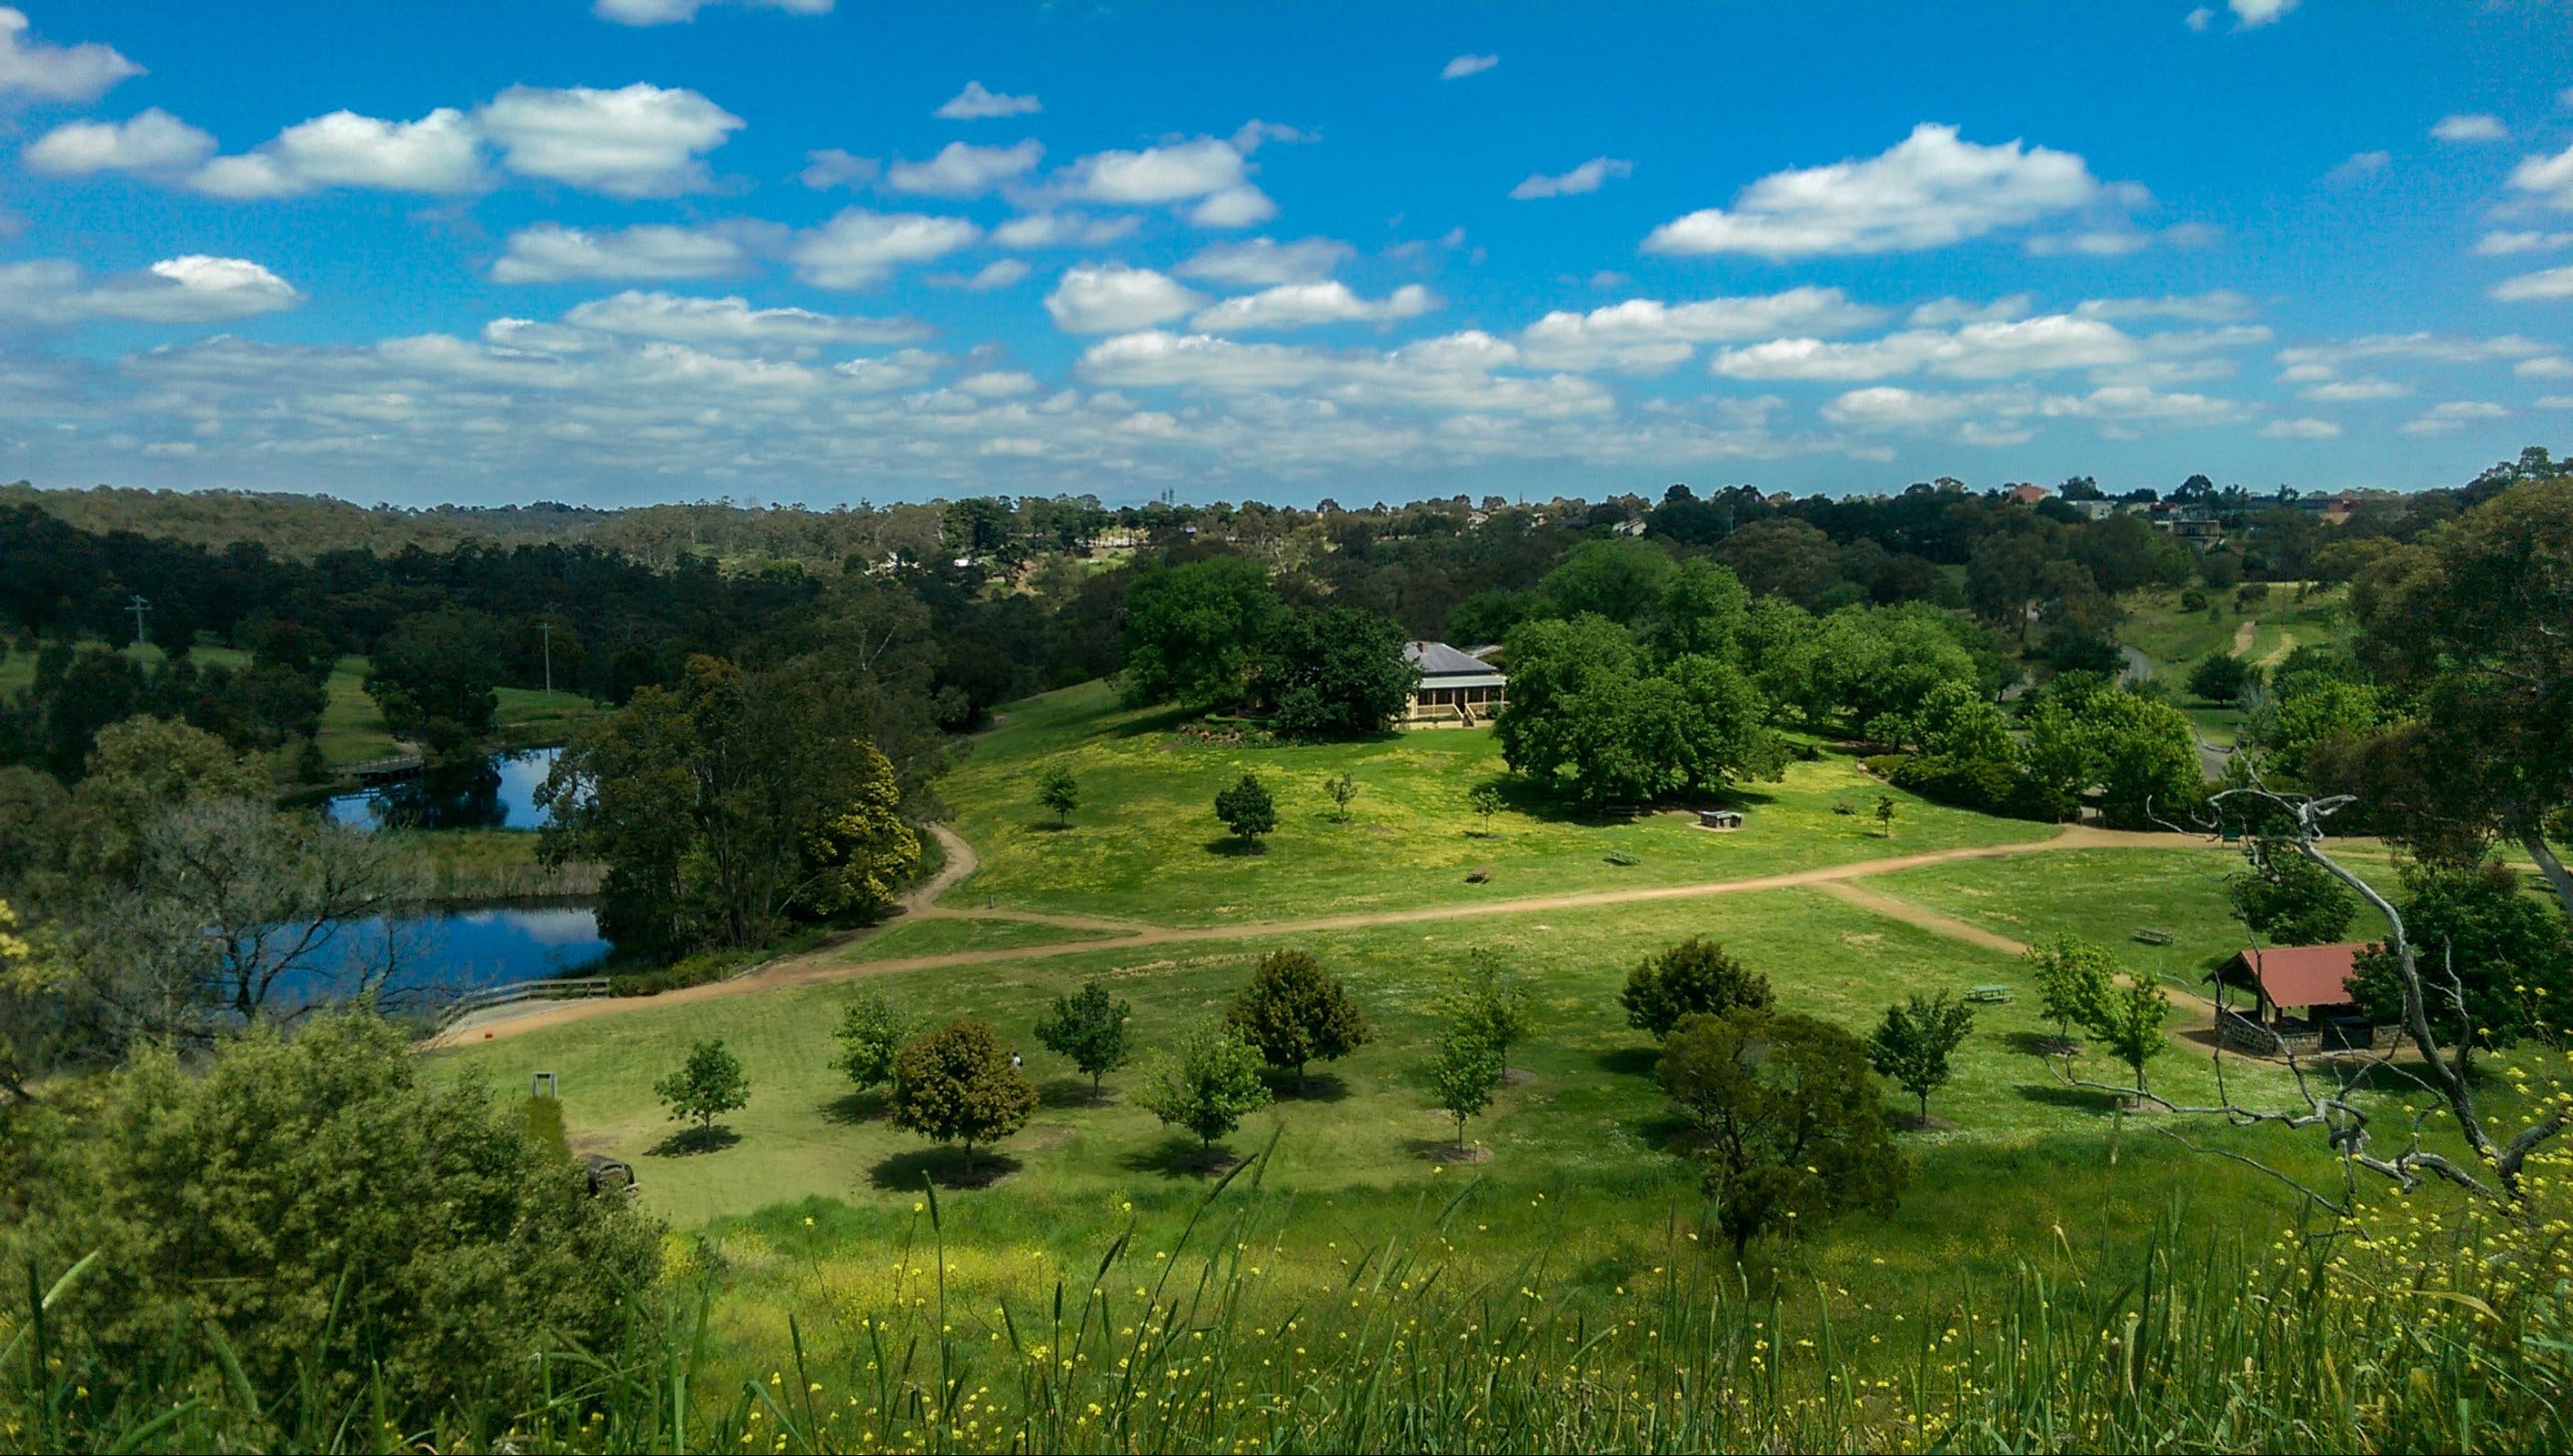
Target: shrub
956,1085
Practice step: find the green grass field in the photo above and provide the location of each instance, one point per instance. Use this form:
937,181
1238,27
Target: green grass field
1146,844
811,1202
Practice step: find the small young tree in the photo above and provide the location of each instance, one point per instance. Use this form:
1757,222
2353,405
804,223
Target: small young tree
708,1085
1489,1003
871,1032
1910,1047
1464,1073
2073,977
1060,792
1293,1012
1208,1086
1344,790
1693,977
1794,1125
2289,900
1487,802
1089,1028
2129,1022
956,1085
1885,815
1246,810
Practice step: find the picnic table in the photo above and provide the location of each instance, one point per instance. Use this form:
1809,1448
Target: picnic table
2154,934
1988,994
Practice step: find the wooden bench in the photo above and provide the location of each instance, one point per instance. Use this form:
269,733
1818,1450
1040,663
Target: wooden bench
1988,994
2154,934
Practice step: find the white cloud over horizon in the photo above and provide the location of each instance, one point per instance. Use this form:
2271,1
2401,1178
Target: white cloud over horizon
194,289
29,67
1931,190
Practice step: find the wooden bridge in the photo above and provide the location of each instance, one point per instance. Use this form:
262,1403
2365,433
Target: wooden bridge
377,770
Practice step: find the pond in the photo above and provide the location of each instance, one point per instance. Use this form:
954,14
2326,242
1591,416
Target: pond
449,951
499,792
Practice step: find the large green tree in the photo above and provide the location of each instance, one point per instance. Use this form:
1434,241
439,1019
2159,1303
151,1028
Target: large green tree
1337,672
728,803
2477,938
2470,621
956,1085
1088,1028
433,675
1193,631
1294,1012
1207,1085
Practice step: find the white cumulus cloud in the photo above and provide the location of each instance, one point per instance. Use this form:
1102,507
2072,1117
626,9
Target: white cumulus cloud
552,253
1581,179
859,249
2451,416
2553,283
1000,272
2550,178
975,103
2474,127
1111,298
1063,229
1988,350
1467,65
1180,171
2306,428
2504,242
963,169
2252,13
1257,261
1646,336
638,141
2358,166
56,73
1299,306
194,289
1928,191
435,154
153,142
832,167
731,320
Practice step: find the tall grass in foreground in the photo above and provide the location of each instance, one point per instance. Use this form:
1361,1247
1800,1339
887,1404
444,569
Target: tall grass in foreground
2424,1326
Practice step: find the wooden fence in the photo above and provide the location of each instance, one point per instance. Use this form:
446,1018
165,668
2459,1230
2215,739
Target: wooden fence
571,987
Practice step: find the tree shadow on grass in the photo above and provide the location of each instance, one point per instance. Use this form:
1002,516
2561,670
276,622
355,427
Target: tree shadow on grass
2038,1044
1447,1151
2077,1099
1178,1158
1161,722
1047,826
1074,1092
945,1167
1316,1087
1234,847
851,1108
688,1142
1631,1060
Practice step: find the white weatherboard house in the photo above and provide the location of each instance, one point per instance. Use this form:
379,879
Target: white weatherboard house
1458,689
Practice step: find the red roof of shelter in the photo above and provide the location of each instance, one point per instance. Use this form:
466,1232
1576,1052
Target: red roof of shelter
2303,974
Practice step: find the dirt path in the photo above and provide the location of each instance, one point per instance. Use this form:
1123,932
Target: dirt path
2244,635
1936,924
825,966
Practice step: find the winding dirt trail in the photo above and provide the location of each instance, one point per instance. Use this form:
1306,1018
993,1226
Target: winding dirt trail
2244,635
819,965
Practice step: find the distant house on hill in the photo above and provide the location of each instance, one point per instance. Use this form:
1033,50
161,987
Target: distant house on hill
2028,494
1458,689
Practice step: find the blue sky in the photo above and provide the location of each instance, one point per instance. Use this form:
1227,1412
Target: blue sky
616,251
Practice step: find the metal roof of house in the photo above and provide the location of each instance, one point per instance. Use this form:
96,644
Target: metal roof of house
2298,974
1439,661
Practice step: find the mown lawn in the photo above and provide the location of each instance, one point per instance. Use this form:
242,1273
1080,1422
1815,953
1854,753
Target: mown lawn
1146,844
1590,1112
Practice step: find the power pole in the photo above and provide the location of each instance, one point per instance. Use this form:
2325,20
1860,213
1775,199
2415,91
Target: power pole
547,628
138,606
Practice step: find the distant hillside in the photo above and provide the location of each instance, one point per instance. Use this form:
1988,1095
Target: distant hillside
305,526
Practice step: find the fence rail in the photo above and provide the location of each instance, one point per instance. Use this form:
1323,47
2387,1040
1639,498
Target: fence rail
570,987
